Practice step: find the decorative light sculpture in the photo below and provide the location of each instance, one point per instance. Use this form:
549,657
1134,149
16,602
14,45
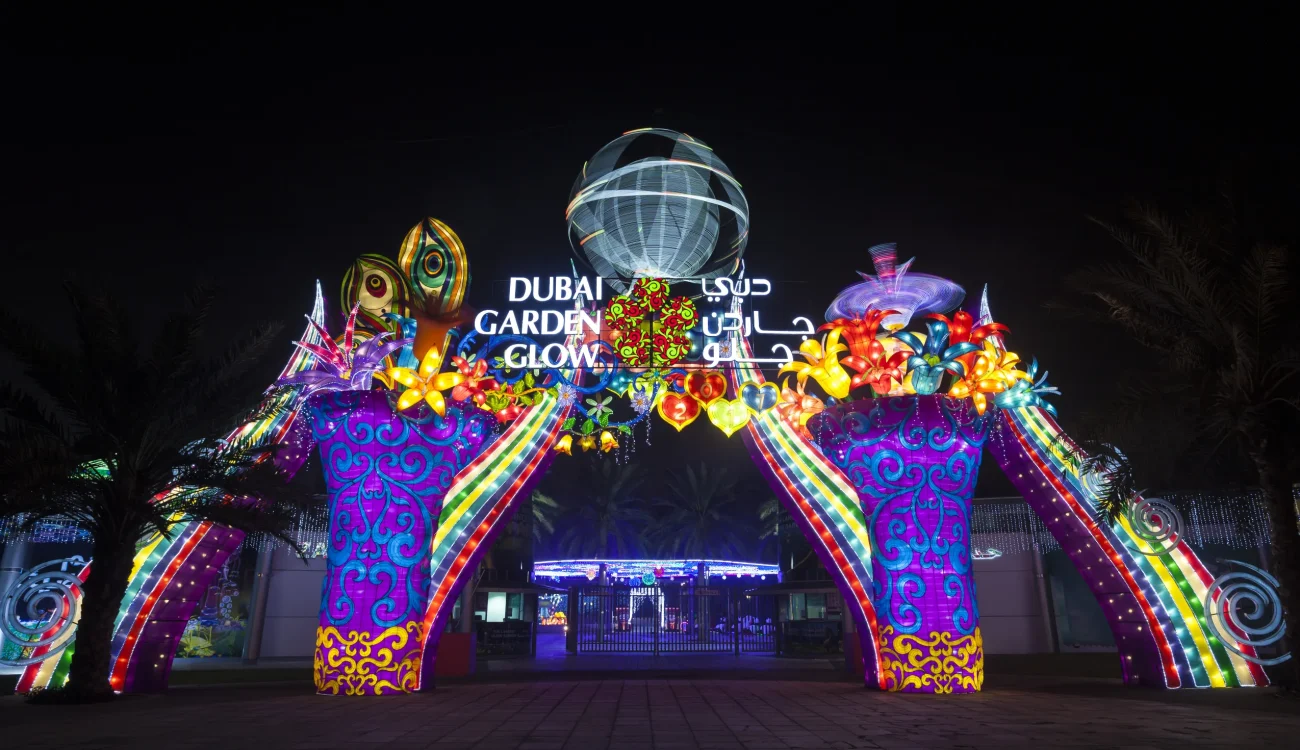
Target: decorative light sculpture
658,568
894,288
657,203
914,460
861,503
386,473
41,611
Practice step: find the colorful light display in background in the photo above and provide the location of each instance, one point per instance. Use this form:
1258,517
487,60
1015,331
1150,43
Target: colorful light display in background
635,569
430,431
914,461
39,615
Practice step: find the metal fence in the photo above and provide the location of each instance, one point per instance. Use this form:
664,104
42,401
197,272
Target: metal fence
669,618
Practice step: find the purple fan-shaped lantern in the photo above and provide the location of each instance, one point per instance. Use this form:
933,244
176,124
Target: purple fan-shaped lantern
340,370
892,287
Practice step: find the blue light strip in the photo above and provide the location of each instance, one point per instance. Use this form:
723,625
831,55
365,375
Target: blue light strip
662,568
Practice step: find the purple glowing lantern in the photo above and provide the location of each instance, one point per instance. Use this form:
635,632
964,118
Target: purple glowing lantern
387,474
894,287
914,461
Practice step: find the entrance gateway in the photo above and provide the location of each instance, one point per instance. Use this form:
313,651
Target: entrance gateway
870,428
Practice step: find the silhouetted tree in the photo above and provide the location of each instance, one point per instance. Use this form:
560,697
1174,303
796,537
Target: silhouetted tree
1215,305
703,517
605,517
127,441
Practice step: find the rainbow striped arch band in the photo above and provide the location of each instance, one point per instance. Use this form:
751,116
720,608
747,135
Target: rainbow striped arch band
1153,594
823,503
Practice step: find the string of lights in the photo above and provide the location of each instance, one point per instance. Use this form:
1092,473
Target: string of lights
1234,519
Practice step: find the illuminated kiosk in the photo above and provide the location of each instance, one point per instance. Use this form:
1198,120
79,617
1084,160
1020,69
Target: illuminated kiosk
1175,625
647,576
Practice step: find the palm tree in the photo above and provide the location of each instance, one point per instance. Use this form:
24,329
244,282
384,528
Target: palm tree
703,519
776,529
124,441
607,521
543,510
533,524
1215,307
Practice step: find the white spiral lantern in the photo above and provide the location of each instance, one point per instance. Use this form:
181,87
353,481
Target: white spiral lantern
42,608
1157,522
1244,609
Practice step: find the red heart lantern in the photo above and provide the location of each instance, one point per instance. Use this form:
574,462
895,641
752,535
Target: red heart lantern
706,385
678,409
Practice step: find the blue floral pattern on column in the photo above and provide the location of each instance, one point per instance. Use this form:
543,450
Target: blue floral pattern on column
914,461
386,473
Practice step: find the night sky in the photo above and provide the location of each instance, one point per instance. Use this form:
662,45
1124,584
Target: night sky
261,160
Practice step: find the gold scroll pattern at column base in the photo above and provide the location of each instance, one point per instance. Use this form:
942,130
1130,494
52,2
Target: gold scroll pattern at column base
359,664
939,664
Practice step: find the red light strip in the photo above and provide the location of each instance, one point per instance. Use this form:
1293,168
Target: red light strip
146,611
828,541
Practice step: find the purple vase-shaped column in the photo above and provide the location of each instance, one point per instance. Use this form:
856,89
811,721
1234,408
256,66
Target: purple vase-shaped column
386,474
914,460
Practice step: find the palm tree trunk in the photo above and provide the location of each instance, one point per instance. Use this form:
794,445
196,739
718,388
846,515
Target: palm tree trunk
102,594
1270,462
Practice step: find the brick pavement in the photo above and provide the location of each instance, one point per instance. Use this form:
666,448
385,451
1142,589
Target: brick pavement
660,715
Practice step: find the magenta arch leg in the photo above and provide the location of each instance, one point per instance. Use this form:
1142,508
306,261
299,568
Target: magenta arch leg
1152,594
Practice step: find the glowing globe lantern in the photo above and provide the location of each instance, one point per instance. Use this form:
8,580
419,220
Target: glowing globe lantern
657,203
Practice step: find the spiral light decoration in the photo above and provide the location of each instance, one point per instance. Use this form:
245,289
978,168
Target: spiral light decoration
42,609
1157,522
1237,603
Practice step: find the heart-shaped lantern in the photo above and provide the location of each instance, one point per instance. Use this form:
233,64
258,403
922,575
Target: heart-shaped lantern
678,409
706,385
759,398
728,416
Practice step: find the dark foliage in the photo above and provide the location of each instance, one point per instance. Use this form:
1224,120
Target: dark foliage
127,440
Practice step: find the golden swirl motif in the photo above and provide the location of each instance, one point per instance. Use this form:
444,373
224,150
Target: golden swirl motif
359,664
939,665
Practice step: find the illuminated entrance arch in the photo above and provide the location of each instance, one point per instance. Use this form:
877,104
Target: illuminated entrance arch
873,444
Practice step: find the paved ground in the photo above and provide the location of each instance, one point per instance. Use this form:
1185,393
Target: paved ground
664,714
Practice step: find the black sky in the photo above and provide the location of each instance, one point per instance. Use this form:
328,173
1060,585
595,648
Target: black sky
262,159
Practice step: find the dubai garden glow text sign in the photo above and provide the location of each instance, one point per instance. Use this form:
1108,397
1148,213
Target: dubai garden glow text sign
570,318
573,321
